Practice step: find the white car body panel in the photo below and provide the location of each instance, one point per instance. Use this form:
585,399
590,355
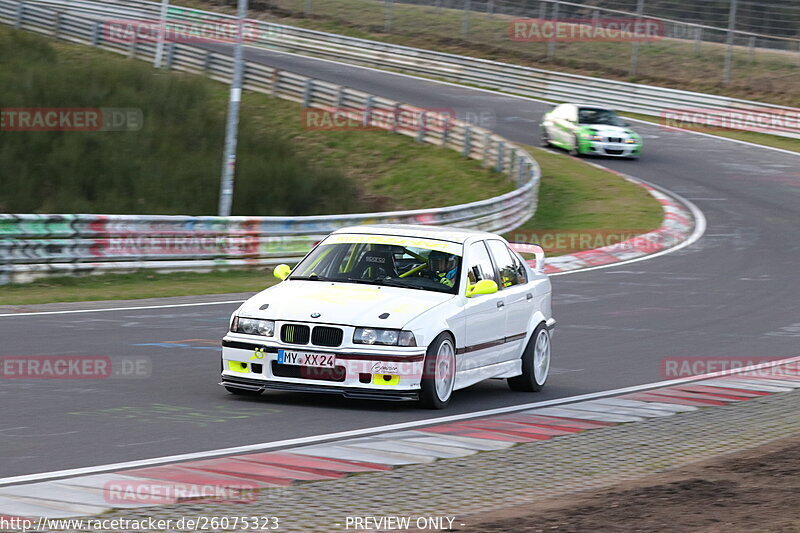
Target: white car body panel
489,340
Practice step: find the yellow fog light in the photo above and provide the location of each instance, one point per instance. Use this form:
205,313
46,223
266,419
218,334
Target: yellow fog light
385,379
237,366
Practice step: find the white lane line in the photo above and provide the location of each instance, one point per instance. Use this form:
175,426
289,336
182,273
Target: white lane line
501,92
103,309
317,439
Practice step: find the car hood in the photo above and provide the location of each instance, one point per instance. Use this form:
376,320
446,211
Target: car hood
610,131
341,303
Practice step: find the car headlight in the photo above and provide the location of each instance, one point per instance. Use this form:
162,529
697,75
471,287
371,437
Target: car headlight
631,141
253,326
387,337
595,137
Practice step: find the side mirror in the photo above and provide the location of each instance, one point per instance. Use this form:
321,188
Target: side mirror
282,272
484,286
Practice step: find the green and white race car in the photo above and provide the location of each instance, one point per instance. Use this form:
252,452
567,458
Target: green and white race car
589,129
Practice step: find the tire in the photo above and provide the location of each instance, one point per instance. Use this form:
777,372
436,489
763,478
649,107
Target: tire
438,373
242,392
535,363
574,152
544,139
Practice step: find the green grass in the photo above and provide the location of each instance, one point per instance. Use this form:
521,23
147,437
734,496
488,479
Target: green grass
172,165
577,196
766,75
134,286
572,196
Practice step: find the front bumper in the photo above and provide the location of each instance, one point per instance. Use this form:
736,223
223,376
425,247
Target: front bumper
611,149
259,385
374,372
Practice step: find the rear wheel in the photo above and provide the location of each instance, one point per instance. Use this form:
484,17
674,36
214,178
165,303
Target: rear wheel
438,373
535,363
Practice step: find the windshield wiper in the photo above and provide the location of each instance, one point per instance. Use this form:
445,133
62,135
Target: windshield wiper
312,277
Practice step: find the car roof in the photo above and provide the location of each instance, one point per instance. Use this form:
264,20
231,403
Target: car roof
442,233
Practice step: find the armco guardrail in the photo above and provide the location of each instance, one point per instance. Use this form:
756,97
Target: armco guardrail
38,245
672,104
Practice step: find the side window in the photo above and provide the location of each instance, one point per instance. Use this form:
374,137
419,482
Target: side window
480,265
507,266
521,272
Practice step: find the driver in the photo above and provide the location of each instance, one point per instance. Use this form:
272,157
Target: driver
442,268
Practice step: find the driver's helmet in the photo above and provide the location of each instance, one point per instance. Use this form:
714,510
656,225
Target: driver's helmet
442,266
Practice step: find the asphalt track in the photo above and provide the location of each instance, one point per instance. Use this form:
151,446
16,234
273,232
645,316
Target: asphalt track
733,294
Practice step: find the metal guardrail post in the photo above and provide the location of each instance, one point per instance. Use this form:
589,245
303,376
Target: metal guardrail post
96,33
57,25
389,6
726,73
752,46
274,80
486,143
467,149
490,7
635,41
366,120
698,39
19,15
501,147
208,62
132,48
307,8
423,117
446,130
340,97
307,92
395,115
465,20
551,44
170,55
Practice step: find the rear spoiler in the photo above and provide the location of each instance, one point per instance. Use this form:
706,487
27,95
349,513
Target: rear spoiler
529,248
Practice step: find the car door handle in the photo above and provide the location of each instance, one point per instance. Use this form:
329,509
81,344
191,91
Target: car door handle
501,305
529,297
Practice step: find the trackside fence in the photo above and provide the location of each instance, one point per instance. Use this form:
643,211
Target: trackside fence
672,105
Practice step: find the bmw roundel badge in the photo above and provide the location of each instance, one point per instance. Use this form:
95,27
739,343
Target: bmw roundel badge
315,315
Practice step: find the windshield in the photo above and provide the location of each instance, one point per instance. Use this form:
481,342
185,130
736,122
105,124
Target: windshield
408,262
599,116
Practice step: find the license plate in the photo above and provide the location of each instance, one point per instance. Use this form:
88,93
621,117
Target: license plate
289,357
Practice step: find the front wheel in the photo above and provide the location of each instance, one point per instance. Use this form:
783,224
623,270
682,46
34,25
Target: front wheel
438,373
535,363
544,140
575,150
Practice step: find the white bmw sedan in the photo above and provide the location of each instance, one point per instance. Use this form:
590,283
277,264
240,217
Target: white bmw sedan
396,312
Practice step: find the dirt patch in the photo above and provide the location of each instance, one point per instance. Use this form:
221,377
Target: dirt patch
757,490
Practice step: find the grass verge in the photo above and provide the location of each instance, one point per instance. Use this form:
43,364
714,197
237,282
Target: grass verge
572,196
172,164
134,286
